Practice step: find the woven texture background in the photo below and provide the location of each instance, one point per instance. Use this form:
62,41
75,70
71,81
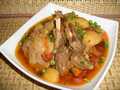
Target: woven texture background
14,13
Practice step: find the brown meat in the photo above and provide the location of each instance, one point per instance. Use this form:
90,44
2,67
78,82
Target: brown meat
58,32
77,57
79,61
59,14
34,47
49,25
62,58
74,42
62,55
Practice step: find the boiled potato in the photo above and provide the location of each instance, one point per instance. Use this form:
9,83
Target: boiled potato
91,38
39,26
49,25
51,75
74,19
83,23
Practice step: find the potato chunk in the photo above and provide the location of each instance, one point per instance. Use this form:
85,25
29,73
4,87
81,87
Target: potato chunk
83,23
51,75
91,38
39,26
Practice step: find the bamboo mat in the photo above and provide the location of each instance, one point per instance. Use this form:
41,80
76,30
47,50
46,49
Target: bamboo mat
14,13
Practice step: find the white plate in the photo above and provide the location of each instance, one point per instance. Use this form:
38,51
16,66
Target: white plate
110,26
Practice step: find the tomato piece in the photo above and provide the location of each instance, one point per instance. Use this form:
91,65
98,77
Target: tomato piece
66,78
84,73
104,36
100,47
47,56
96,52
76,72
94,59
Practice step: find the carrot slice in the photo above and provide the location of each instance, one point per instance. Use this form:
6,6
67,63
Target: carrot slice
104,36
76,72
47,56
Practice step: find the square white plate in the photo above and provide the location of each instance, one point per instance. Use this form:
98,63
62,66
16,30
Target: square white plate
110,26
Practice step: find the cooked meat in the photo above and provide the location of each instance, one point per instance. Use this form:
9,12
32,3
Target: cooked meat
58,32
79,61
49,25
34,47
72,38
59,14
62,50
62,58
77,56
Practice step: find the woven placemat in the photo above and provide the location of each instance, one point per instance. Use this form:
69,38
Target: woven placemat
88,6
14,13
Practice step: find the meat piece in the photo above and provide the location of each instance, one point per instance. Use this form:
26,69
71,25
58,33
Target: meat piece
74,42
77,56
49,25
62,58
62,55
59,14
78,60
58,32
34,47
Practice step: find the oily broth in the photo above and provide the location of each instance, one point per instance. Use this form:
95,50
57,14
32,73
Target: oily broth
72,81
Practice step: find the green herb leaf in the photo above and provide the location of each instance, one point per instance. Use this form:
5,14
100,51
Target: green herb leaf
101,60
93,24
106,44
86,63
96,27
52,62
51,37
25,37
80,32
71,16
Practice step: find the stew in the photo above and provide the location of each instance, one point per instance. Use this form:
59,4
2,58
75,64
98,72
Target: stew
64,48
